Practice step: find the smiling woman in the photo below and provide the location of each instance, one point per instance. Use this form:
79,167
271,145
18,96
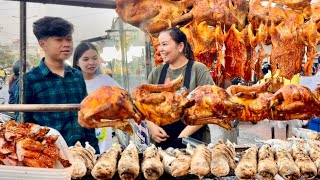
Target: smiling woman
176,52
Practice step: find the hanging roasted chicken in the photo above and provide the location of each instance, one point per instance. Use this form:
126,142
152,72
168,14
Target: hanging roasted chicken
108,106
160,103
153,16
155,43
287,50
309,34
202,40
267,14
236,60
226,12
212,106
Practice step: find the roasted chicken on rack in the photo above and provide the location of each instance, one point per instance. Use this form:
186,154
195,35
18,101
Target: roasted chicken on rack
293,102
160,103
108,106
255,99
213,105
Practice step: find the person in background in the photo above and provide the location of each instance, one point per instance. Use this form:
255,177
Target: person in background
55,82
87,60
13,80
318,69
2,75
176,52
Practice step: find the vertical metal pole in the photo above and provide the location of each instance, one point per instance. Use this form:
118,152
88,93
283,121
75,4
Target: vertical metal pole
148,55
23,39
123,47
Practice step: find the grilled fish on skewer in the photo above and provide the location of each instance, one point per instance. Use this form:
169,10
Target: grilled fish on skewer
200,161
152,166
287,169
106,166
247,167
128,165
267,167
222,158
308,170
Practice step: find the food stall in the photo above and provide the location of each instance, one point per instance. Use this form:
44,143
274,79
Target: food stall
273,99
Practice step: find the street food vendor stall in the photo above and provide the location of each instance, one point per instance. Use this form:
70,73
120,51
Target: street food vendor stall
233,49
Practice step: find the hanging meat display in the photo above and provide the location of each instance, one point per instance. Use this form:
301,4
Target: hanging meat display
289,26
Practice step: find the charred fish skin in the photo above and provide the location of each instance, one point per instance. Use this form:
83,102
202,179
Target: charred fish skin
247,167
106,166
200,161
128,165
267,167
152,166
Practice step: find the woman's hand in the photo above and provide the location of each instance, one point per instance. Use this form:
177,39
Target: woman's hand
189,130
156,132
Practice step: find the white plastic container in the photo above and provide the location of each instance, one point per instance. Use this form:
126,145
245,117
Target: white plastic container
30,173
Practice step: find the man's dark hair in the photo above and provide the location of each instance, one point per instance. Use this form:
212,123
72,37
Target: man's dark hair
51,26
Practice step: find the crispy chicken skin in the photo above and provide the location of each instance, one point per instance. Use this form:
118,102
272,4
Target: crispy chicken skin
293,102
153,16
161,104
286,44
212,106
110,103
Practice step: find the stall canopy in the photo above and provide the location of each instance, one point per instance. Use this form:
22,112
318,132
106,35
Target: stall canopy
111,4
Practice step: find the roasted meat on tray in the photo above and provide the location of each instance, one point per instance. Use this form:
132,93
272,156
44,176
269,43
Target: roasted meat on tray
29,143
181,165
84,159
108,106
308,169
167,160
160,103
287,169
